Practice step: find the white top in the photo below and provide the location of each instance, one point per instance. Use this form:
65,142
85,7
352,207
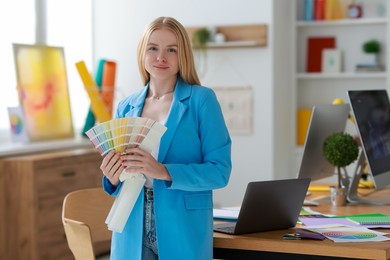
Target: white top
149,180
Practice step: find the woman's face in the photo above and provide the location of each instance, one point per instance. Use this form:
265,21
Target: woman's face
161,56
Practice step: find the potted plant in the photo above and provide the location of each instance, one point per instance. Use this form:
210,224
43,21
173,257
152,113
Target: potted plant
372,48
340,150
200,38
199,42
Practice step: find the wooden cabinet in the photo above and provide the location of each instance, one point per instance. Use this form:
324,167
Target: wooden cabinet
32,191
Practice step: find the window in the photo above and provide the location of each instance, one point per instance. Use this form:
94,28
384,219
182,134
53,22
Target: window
17,25
67,24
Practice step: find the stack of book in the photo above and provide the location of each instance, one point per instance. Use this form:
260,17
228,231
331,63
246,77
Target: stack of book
369,68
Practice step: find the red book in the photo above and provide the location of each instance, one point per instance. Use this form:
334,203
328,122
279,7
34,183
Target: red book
315,45
319,7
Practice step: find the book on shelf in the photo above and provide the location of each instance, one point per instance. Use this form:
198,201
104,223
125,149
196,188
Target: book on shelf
323,10
338,11
315,46
303,120
329,9
369,68
319,7
308,10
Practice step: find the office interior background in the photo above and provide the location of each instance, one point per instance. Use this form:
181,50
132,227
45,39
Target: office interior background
91,30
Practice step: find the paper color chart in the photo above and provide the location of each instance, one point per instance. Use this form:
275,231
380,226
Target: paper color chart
344,233
350,235
121,133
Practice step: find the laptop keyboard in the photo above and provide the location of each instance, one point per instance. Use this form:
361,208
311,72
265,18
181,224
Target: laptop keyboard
229,229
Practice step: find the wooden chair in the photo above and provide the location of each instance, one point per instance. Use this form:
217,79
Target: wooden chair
83,216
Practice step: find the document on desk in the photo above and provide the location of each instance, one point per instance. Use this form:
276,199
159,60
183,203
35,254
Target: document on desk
227,214
341,233
314,221
307,212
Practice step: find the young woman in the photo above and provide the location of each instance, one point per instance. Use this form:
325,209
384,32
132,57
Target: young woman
173,217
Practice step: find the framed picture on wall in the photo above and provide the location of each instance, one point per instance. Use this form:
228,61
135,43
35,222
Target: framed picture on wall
43,91
331,60
237,108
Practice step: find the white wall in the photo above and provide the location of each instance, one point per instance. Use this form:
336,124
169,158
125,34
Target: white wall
283,95
118,25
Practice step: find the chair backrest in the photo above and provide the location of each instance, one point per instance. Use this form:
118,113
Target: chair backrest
83,214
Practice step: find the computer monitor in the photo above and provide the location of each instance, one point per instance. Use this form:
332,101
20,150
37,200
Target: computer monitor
325,120
371,109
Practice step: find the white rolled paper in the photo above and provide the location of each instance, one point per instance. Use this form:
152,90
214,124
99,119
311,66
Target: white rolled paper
125,201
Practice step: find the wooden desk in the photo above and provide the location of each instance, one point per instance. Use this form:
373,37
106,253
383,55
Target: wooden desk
225,245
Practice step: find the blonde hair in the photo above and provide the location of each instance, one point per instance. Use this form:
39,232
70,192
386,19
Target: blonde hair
187,69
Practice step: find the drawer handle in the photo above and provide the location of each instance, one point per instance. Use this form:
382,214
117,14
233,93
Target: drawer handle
68,174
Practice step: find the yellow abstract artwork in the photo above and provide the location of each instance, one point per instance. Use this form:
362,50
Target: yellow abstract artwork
43,91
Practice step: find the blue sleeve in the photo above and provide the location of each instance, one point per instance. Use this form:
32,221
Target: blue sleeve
214,171
109,188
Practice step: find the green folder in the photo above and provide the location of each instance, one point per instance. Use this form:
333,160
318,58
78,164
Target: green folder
371,219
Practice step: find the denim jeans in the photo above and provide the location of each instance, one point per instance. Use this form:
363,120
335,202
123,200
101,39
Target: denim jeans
149,248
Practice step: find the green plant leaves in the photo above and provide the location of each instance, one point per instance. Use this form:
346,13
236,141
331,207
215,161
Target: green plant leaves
340,149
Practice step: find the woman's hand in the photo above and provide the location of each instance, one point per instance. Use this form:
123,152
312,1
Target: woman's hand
138,160
112,167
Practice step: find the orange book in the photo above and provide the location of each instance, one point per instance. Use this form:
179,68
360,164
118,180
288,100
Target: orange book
338,11
329,10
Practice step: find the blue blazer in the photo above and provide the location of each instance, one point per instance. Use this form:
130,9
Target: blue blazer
196,152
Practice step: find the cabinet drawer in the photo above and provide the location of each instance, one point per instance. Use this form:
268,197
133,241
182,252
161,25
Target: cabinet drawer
65,178
52,244
54,184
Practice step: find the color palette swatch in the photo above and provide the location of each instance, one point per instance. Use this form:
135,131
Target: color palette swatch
121,133
16,120
350,234
345,233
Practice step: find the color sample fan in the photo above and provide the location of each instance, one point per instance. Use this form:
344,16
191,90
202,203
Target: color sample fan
121,133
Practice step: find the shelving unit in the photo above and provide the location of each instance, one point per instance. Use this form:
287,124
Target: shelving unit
311,89
237,36
352,22
345,75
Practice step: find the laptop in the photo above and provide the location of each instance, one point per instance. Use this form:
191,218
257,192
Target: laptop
268,205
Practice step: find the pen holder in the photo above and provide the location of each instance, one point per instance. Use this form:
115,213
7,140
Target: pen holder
338,196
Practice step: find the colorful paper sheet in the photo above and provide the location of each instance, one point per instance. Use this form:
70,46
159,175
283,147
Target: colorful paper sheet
310,221
108,85
90,120
98,107
120,133
341,233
